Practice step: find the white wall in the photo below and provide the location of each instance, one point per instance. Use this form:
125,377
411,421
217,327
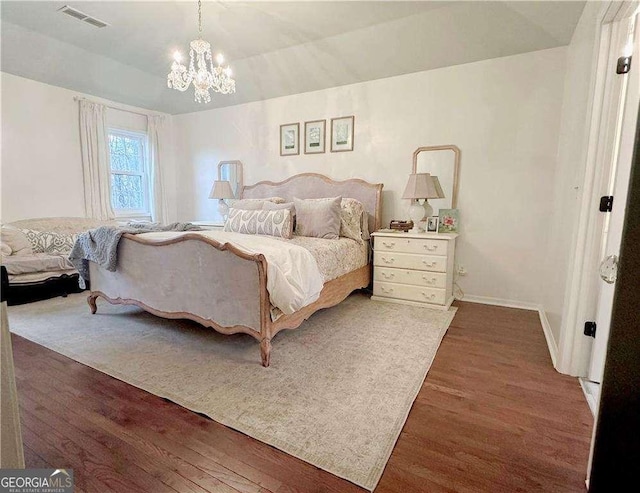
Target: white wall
504,114
40,166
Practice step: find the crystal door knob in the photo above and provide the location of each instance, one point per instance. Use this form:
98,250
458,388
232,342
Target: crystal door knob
609,269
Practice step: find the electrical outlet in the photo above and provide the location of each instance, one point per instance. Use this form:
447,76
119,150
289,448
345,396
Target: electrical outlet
462,271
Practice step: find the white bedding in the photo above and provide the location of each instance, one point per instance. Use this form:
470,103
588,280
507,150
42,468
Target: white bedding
293,277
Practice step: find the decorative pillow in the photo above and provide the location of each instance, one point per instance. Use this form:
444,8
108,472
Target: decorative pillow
249,205
255,204
50,241
17,241
5,249
319,218
270,206
271,223
351,220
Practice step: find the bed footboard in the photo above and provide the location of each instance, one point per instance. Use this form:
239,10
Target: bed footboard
190,276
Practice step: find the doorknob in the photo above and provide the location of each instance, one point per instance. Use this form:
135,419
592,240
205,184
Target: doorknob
609,269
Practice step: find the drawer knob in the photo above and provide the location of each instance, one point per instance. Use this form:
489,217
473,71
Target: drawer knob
429,296
429,281
388,275
429,264
388,260
386,290
431,248
390,244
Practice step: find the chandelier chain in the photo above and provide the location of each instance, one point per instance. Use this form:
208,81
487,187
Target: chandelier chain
200,16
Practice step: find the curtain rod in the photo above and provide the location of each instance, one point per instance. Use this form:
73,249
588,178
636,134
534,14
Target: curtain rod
113,107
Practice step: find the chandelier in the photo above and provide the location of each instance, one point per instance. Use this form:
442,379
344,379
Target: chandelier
216,78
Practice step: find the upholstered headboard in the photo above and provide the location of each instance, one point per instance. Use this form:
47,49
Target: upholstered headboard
316,186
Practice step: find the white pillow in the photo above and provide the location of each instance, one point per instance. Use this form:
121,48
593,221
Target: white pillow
255,204
17,241
5,249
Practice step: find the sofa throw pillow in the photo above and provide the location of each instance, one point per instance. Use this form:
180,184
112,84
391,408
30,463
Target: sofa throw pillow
17,241
271,223
50,241
352,218
5,249
318,218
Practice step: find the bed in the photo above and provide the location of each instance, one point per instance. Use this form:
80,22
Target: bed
197,276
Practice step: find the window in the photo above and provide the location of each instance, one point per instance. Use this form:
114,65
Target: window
129,173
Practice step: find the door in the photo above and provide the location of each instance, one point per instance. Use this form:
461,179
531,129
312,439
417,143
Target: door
624,113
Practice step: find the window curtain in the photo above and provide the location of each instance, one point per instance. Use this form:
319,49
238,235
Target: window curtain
158,158
95,160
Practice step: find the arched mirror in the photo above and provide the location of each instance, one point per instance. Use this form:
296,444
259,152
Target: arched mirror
443,162
231,171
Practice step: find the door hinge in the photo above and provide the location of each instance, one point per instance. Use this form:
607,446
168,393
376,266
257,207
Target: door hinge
590,329
624,65
606,203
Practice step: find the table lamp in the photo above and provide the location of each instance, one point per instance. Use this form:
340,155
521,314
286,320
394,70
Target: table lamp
221,190
421,187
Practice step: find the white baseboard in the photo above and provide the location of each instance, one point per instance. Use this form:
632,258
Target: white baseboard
591,392
485,300
523,305
548,335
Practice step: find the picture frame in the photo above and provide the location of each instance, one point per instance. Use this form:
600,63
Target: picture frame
448,221
290,139
432,224
342,133
314,136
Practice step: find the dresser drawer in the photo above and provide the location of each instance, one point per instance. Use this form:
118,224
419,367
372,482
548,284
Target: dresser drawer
409,261
411,293
414,277
411,245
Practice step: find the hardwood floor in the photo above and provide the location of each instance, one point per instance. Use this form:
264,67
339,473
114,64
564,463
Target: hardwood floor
492,416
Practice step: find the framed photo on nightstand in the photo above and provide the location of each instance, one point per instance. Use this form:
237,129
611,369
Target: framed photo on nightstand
432,224
449,221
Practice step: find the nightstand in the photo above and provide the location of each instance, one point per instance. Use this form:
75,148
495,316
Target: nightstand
208,225
414,268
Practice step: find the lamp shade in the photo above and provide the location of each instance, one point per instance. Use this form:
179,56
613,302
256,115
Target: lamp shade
221,189
423,186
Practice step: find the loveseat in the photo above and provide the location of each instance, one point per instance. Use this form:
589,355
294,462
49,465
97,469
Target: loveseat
34,252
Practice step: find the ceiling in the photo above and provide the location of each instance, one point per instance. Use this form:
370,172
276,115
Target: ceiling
275,48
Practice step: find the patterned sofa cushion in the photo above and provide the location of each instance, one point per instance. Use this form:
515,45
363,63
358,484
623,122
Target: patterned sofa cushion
50,241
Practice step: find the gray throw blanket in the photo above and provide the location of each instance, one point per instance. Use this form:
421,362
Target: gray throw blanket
101,245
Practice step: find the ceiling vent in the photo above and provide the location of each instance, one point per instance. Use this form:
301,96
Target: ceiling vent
81,16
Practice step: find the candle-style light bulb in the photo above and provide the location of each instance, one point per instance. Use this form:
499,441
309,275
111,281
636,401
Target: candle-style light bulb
228,71
177,56
220,58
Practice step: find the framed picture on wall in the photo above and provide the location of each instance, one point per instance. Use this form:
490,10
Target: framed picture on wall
290,139
314,136
342,134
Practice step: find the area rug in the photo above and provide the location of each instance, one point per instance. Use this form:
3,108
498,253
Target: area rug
336,395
